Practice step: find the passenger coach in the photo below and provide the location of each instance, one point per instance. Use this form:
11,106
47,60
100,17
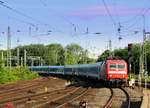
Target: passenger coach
109,70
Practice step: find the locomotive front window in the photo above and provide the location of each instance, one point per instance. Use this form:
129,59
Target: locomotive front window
112,66
121,66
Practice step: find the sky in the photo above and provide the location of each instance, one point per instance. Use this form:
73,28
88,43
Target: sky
74,21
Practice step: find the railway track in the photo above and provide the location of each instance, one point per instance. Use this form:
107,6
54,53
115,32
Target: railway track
18,85
22,91
28,89
13,87
23,102
63,100
128,98
70,97
78,97
114,97
109,102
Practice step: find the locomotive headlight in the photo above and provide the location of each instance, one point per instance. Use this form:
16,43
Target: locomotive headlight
110,75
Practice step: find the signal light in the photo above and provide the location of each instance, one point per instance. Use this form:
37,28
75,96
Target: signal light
130,52
129,47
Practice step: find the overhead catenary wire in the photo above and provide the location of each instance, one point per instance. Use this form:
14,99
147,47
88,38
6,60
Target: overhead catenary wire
116,10
130,22
121,27
22,21
75,27
132,19
112,19
141,12
135,19
137,16
35,22
130,27
108,12
25,15
16,11
43,3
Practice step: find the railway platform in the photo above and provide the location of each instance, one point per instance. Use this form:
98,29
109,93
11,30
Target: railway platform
148,93
146,99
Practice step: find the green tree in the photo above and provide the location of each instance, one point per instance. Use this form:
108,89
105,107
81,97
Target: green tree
74,54
103,56
33,50
136,56
1,63
54,55
147,46
121,53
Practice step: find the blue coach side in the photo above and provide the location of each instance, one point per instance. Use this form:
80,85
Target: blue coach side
70,69
87,70
48,69
93,70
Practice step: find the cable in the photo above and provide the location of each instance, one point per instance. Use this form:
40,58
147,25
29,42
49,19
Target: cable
107,9
14,10
43,3
133,19
116,10
22,21
143,11
24,15
60,15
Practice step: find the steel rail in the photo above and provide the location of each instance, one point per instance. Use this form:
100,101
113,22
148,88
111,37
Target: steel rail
24,98
109,102
128,97
79,96
55,102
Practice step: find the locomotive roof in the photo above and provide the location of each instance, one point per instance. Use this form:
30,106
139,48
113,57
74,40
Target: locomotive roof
116,61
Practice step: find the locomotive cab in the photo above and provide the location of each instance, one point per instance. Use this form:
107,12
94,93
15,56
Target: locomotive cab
116,71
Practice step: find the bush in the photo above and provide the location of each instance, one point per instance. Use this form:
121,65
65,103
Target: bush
143,78
15,74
